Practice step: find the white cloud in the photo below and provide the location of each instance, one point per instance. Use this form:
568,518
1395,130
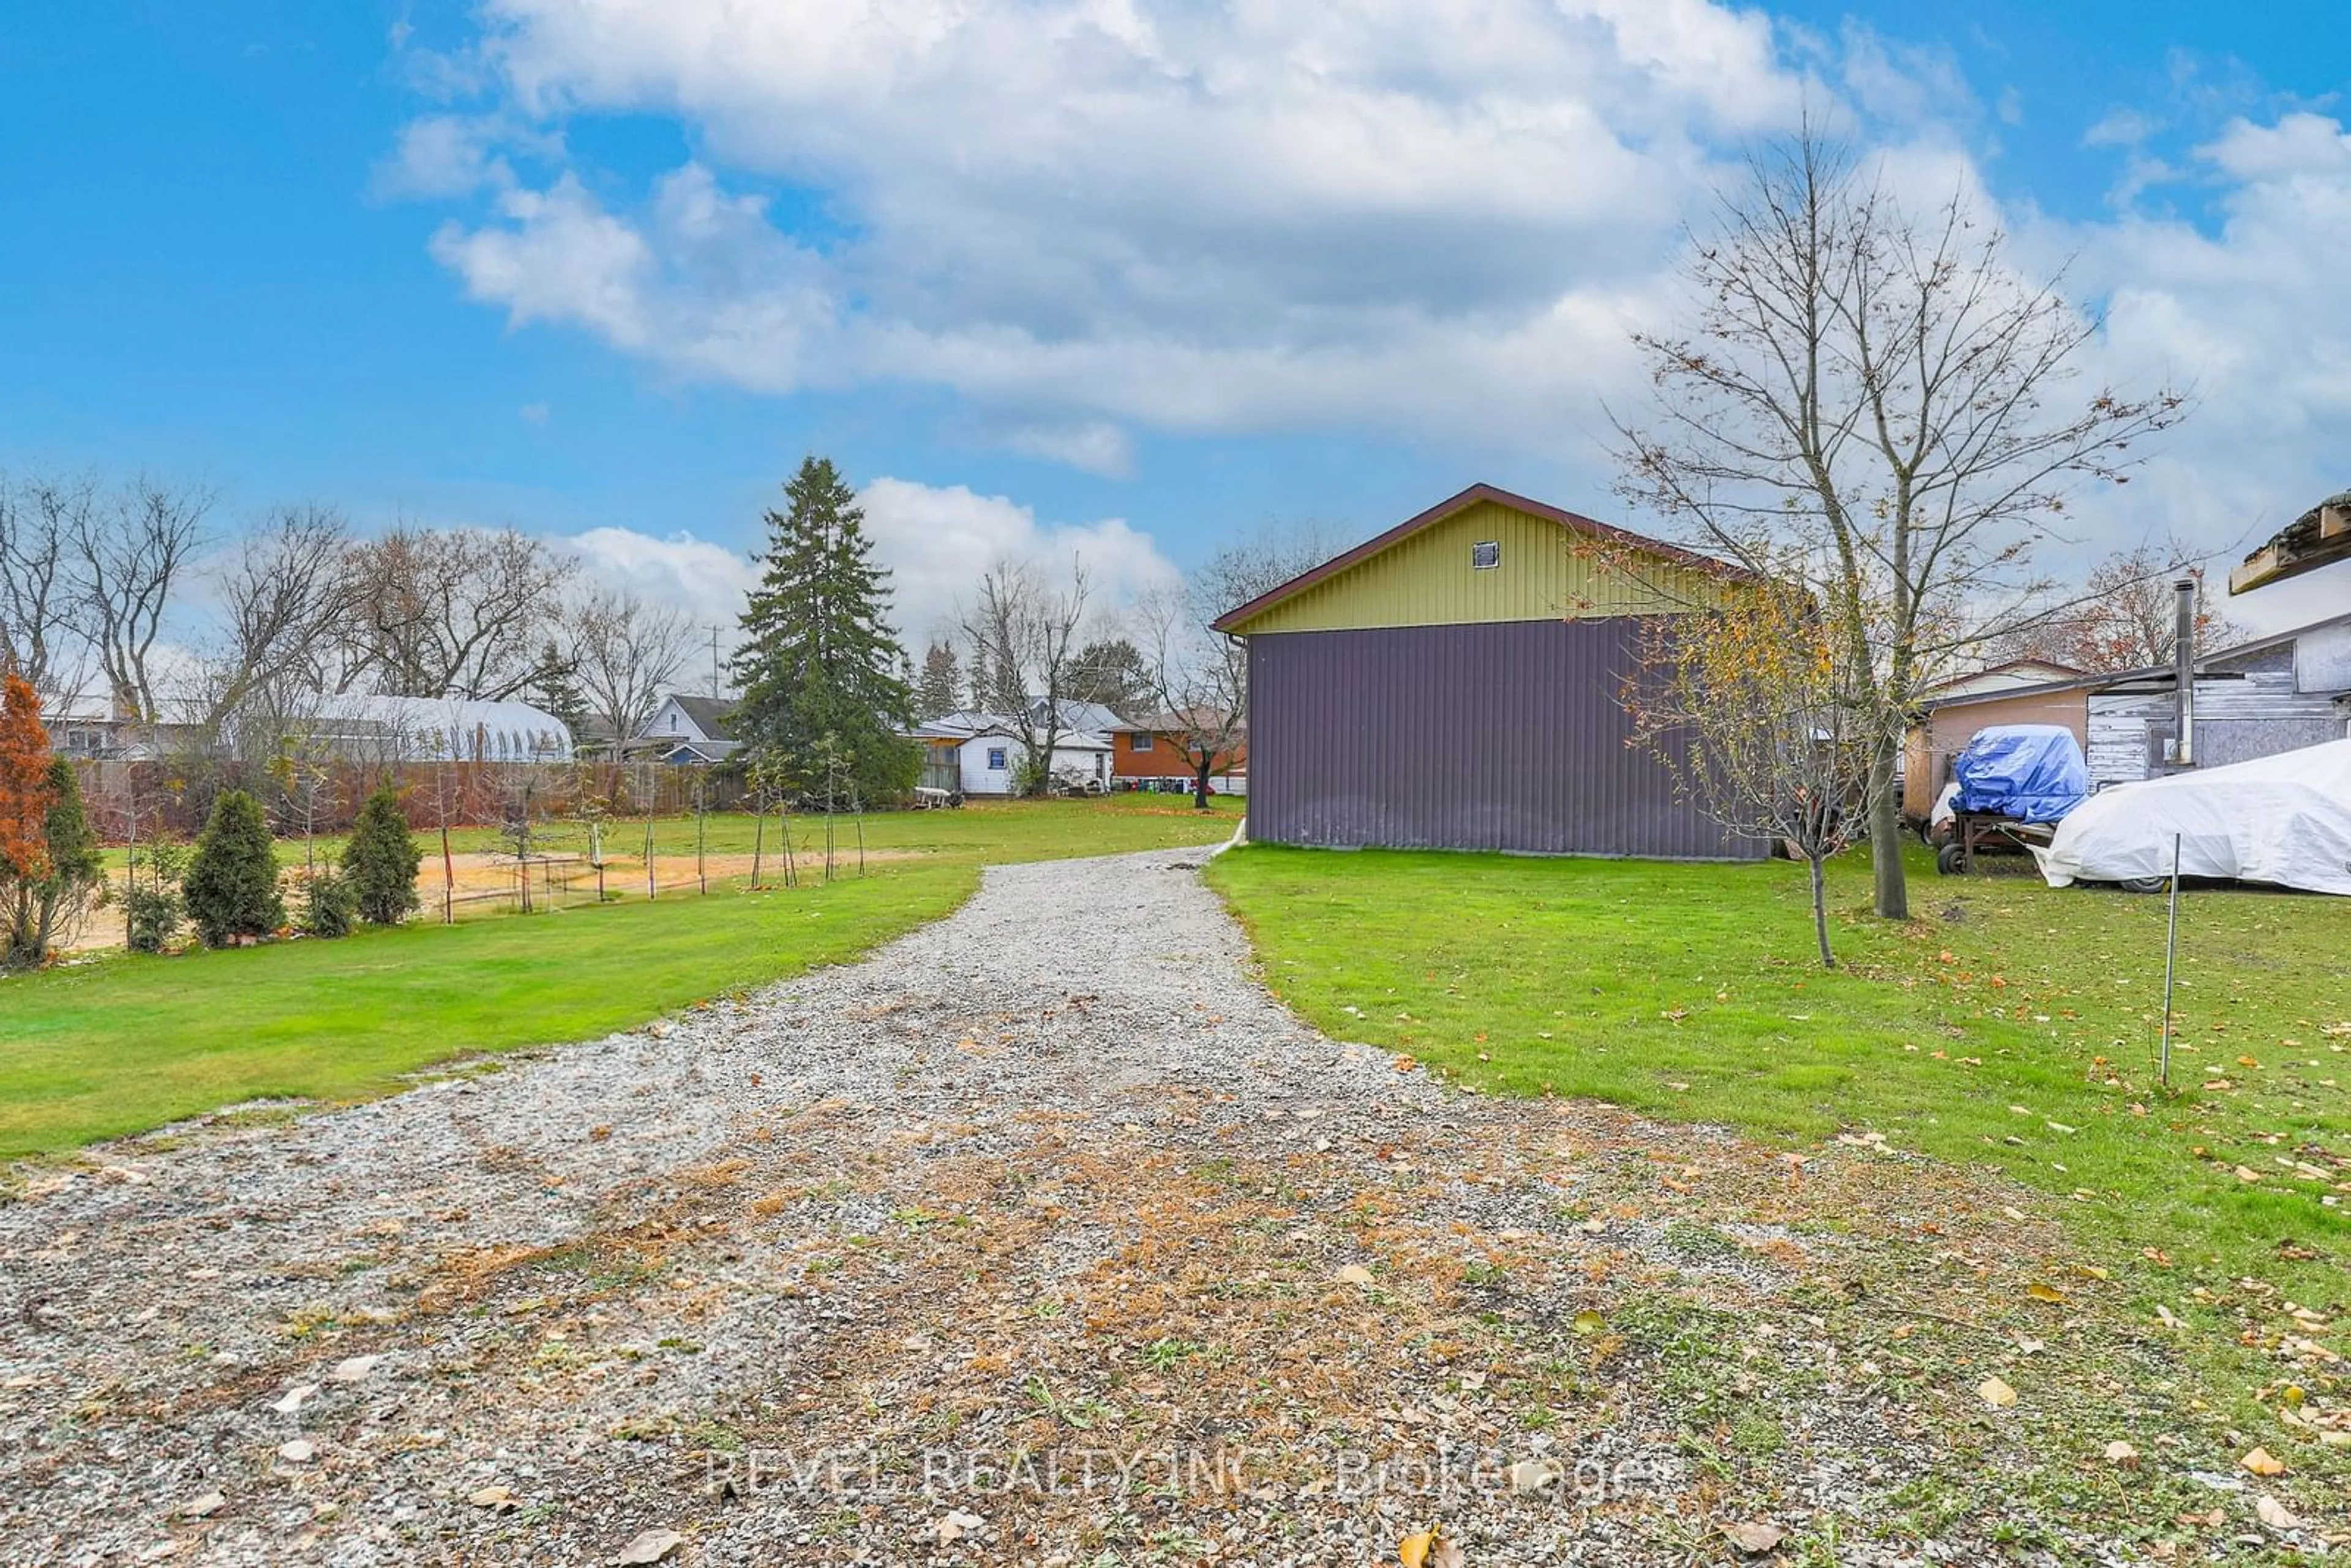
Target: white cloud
1096,446
1090,218
1186,217
938,540
708,581
443,155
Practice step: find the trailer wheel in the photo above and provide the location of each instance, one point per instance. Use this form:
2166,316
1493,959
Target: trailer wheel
1950,860
2143,884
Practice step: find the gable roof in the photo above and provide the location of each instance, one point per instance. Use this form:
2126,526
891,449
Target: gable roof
1573,522
715,716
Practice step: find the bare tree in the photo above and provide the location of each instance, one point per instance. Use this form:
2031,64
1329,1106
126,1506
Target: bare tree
129,549
1876,402
37,608
2126,615
625,653
286,592
1198,677
450,612
1024,633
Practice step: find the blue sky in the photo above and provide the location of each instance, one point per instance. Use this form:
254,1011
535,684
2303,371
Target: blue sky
631,266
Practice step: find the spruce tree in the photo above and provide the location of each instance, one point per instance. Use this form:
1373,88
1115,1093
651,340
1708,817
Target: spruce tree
231,887
554,688
825,708
380,861
940,690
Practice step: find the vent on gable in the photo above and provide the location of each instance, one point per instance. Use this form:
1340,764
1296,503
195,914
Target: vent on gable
1486,555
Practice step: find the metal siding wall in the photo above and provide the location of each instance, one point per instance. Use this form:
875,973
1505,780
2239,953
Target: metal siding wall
1504,735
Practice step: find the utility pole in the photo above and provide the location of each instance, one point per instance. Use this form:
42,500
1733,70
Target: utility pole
717,690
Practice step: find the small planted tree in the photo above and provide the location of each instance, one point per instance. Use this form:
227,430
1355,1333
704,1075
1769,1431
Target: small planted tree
380,861
330,904
153,905
1749,707
231,888
40,909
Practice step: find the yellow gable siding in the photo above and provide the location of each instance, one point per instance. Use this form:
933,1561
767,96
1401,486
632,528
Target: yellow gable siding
1428,580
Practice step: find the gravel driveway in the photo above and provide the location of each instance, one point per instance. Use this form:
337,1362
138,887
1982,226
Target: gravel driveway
1043,1234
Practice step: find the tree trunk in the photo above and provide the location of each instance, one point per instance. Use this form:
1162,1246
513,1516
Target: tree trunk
1820,914
1893,893
1200,784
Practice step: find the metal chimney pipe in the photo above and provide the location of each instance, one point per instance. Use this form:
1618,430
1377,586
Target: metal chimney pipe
2183,671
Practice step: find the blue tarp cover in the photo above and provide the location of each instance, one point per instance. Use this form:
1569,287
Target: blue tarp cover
2027,772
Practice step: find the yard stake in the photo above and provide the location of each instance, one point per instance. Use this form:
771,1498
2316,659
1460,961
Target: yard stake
701,834
758,839
2170,951
651,892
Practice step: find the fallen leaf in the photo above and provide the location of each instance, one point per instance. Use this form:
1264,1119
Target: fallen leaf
2275,1514
1996,1393
1533,1475
292,1399
1755,1537
1449,1554
1355,1274
500,1497
2041,1292
1413,1550
204,1507
2261,1462
2121,1453
300,1451
956,1525
650,1546
1588,1322
353,1370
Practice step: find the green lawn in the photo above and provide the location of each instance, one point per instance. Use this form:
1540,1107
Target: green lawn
2010,1025
127,1042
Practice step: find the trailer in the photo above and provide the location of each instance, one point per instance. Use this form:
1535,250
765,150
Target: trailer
2012,785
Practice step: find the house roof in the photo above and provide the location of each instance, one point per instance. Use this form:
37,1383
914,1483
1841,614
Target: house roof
2319,537
2057,672
1573,522
1173,721
712,715
2157,673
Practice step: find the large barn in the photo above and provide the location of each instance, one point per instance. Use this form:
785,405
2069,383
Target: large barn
1454,684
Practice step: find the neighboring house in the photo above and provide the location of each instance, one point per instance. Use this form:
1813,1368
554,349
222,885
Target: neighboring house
2012,693
687,731
982,754
2007,677
1149,749
2273,693
103,736
1454,684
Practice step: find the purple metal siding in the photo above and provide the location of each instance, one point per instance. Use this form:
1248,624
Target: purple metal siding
1503,736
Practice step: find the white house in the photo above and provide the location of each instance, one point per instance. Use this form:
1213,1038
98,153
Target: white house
687,729
982,754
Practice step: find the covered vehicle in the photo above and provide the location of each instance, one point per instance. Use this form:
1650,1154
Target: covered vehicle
2023,772
2284,820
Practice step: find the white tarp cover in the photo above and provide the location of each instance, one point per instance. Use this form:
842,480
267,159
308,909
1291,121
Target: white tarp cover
2284,820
